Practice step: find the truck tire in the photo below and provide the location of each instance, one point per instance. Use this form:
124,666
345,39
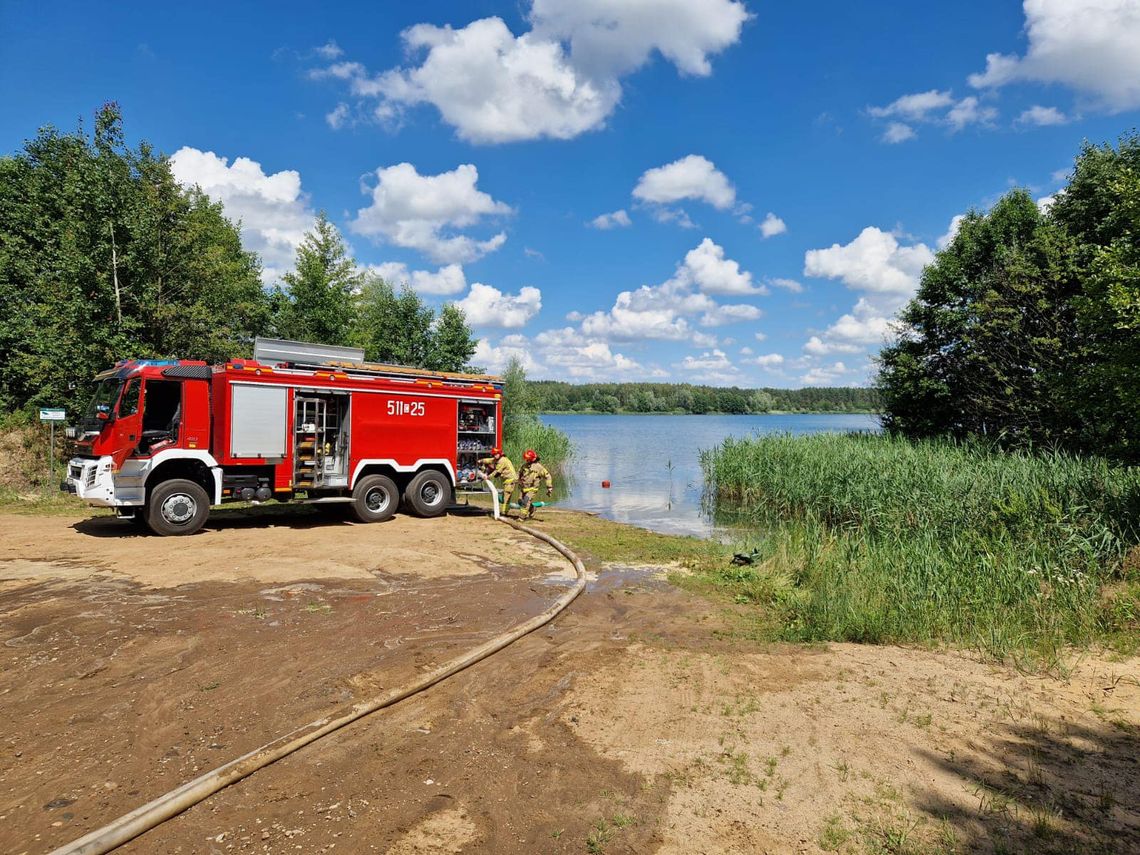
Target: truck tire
375,498
429,494
177,507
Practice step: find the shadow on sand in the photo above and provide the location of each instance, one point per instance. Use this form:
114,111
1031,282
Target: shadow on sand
293,516
1046,785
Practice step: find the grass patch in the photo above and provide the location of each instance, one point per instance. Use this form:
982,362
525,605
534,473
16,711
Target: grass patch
605,540
878,539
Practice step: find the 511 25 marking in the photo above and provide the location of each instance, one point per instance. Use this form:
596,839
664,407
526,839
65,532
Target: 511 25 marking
405,408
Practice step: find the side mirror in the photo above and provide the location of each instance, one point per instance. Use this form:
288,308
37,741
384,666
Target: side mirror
103,412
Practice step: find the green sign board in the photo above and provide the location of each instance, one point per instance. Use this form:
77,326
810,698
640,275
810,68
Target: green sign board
48,414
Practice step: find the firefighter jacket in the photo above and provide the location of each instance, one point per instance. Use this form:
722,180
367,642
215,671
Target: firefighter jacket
503,469
532,474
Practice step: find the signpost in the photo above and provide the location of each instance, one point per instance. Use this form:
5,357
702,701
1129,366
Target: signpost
51,415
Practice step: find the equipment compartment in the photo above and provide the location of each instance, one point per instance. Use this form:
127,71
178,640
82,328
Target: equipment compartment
476,433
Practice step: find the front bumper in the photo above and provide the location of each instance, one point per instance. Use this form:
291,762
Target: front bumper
93,481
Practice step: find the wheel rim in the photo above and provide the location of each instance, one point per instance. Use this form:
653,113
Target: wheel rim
430,493
376,499
179,509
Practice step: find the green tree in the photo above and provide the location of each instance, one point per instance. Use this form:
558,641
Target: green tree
518,398
990,333
104,256
1025,328
452,344
1100,208
400,329
761,402
321,290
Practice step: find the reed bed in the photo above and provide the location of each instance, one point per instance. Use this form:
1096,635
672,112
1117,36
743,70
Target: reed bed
874,538
526,431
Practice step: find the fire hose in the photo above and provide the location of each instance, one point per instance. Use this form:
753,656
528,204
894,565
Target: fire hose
174,802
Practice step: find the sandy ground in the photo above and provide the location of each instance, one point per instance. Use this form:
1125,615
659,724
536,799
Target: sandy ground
634,723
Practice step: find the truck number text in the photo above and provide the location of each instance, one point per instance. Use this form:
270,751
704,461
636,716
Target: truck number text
405,408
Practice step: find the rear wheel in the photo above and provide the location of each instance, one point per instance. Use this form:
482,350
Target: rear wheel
375,498
177,507
429,494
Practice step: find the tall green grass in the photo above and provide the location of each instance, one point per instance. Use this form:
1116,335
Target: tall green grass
526,431
875,538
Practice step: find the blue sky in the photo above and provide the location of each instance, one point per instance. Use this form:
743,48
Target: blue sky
682,190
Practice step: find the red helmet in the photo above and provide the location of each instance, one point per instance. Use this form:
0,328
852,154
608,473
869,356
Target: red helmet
496,452
530,455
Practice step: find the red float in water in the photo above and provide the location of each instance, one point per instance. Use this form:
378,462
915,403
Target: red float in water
606,484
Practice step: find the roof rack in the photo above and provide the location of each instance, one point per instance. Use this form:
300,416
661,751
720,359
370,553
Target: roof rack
402,372
350,360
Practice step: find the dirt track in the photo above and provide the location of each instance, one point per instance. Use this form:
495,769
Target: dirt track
130,663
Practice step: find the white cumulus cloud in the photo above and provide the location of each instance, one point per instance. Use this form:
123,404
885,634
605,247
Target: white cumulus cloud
874,261
613,38
663,312
572,354
612,220
486,306
423,212
692,177
558,80
935,106
825,375
448,279
887,272
915,107
969,111
818,347
712,272
1042,116
772,226
898,132
494,358
1087,45
767,360
730,314
713,360
273,211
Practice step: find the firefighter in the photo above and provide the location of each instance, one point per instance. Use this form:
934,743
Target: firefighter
532,473
498,465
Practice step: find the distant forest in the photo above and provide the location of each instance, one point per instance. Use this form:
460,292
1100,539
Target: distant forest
549,396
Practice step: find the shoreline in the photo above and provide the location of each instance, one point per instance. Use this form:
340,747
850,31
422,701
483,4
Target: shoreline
687,413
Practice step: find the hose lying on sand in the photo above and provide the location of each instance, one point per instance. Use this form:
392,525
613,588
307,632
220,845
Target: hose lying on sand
144,818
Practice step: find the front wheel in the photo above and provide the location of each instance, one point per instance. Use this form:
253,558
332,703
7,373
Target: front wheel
375,498
429,494
177,507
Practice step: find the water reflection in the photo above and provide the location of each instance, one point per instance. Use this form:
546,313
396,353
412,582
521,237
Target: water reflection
653,466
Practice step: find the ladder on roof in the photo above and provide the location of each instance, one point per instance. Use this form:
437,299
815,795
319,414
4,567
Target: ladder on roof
315,357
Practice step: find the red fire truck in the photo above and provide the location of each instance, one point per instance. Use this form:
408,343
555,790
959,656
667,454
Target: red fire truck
164,440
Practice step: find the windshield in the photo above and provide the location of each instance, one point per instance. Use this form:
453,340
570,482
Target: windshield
105,396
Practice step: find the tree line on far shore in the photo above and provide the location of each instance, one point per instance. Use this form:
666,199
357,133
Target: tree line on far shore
550,396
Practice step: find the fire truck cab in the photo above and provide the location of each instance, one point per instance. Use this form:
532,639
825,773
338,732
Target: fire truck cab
165,440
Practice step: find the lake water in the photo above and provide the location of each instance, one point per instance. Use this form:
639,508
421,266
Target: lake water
653,466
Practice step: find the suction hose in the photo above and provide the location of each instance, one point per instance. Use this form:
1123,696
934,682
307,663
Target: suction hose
142,819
